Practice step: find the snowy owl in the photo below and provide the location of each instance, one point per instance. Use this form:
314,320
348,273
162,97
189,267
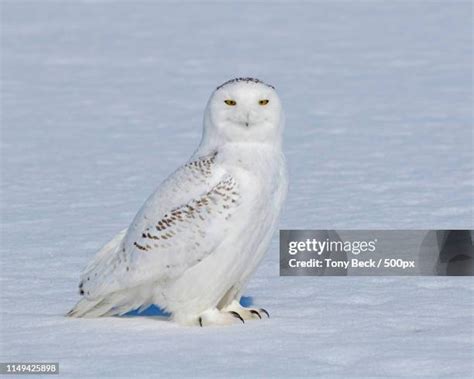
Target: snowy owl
196,241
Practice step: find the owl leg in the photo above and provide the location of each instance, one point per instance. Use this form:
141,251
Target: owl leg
219,317
246,313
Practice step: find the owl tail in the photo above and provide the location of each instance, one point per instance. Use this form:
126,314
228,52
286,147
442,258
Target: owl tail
88,308
117,303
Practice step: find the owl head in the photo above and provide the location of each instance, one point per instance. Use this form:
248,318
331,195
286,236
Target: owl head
243,110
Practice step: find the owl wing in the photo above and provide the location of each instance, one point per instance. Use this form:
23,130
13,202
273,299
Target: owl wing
181,224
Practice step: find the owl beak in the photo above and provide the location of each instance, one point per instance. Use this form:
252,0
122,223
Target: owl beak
247,122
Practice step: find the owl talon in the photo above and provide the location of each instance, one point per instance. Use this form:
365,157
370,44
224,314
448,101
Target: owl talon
253,311
245,313
236,315
264,311
215,317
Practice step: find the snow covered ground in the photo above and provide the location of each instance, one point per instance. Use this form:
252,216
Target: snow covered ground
101,100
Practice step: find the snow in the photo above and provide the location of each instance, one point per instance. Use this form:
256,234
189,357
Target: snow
101,100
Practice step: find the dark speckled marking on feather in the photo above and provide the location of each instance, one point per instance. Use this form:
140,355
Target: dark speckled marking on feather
140,246
201,167
224,195
247,80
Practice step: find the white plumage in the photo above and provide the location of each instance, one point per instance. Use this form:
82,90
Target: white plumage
196,241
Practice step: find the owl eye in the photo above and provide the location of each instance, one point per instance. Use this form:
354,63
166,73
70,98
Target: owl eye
230,102
263,102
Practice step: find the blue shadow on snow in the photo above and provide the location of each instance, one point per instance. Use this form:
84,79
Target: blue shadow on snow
153,310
